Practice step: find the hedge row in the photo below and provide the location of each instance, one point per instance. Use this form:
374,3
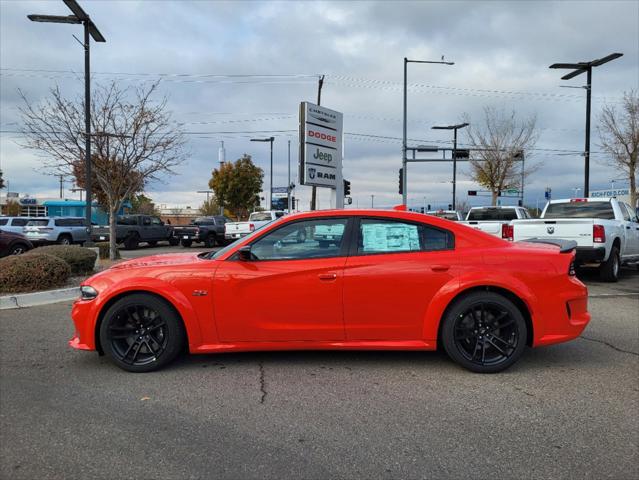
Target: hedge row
104,250
80,260
36,271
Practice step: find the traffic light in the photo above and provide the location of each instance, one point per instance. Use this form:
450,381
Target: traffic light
472,193
401,180
347,188
450,206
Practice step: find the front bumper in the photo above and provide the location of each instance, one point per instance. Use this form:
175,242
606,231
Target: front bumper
83,315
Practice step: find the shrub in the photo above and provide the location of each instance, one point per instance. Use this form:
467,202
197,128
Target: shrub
104,250
80,260
36,271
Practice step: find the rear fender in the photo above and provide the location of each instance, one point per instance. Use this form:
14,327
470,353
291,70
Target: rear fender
461,285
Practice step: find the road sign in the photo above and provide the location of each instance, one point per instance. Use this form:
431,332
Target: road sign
512,191
321,140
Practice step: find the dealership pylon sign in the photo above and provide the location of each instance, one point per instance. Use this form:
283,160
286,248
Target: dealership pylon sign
321,147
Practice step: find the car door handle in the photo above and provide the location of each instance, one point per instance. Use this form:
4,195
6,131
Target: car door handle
327,276
440,268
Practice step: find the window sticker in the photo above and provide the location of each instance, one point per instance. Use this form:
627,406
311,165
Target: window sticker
389,237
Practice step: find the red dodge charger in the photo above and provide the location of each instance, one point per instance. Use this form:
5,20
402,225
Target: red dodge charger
347,279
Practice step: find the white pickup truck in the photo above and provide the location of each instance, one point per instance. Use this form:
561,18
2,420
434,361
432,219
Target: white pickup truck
605,229
495,220
235,230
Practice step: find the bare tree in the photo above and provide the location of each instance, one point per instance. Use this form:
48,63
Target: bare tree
496,146
134,142
619,135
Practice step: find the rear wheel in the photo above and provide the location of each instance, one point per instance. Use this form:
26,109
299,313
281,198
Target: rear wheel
131,242
609,270
210,241
186,243
173,241
18,249
65,239
484,332
141,333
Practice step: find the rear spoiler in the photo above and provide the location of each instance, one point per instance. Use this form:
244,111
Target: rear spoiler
565,246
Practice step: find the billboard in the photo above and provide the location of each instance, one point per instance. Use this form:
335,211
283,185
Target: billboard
321,146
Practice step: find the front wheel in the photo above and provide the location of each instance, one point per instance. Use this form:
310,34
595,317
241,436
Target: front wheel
173,241
186,243
131,242
18,249
209,241
609,270
65,240
141,333
484,332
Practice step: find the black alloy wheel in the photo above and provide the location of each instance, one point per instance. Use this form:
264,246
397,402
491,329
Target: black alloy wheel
64,240
141,333
484,332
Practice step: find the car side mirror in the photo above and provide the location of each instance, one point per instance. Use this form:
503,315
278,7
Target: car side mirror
244,253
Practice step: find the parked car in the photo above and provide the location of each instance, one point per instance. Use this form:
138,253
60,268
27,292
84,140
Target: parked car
235,230
131,230
605,229
207,230
495,220
62,230
12,243
453,215
395,280
15,224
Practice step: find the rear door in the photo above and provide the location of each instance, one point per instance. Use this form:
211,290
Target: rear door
394,269
632,230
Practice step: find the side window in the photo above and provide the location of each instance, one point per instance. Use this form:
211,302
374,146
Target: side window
146,221
392,236
19,222
3,221
625,212
279,214
156,221
320,238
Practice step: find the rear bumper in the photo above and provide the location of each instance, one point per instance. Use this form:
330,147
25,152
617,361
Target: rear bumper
234,236
590,255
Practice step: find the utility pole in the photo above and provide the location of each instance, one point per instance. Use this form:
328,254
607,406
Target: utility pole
454,128
61,177
288,187
372,201
319,100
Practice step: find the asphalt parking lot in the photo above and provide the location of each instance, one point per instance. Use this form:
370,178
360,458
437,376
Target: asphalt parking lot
566,411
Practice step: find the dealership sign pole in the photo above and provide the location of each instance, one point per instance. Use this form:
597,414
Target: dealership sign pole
321,150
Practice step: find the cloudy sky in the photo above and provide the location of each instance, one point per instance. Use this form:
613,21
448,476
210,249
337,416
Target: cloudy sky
236,70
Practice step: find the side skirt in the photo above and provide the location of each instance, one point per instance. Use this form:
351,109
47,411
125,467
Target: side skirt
327,345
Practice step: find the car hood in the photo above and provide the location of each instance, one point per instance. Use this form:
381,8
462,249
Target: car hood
159,260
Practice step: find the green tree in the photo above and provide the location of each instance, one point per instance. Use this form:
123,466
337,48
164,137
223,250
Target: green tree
210,207
237,186
142,204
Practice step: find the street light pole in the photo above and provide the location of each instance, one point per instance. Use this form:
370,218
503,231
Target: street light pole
454,128
405,116
288,186
579,68
90,29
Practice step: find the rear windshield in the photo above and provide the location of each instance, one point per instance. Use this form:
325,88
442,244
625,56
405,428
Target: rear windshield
446,215
580,210
260,217
482,214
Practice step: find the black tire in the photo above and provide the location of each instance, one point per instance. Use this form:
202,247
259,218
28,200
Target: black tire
210,241
65,239
18,249
609,270
186,243
173,241
486,321
141,333
132,241
153,243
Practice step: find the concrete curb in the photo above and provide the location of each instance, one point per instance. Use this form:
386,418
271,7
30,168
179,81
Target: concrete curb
22,300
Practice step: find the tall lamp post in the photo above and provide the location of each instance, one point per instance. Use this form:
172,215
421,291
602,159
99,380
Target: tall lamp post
404,171
579,68
454,128
270,192
80,16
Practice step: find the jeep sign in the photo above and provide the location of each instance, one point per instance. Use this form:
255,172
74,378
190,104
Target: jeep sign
320,146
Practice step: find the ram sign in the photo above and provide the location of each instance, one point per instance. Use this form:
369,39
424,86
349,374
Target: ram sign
321,137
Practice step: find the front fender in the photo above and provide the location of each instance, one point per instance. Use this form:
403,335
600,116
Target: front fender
456,287
165,290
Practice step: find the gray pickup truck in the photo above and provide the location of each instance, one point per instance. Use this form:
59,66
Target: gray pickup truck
131,230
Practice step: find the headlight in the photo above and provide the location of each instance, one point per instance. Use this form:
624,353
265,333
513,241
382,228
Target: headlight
88,293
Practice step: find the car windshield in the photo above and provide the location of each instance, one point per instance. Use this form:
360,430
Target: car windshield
483,214
580,210
260,217
256,232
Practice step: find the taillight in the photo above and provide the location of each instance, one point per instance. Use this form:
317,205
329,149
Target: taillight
251,227
507,232
578,200
598,234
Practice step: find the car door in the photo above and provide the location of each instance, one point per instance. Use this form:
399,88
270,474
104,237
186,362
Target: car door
394,270
291,290
632,230
158,230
